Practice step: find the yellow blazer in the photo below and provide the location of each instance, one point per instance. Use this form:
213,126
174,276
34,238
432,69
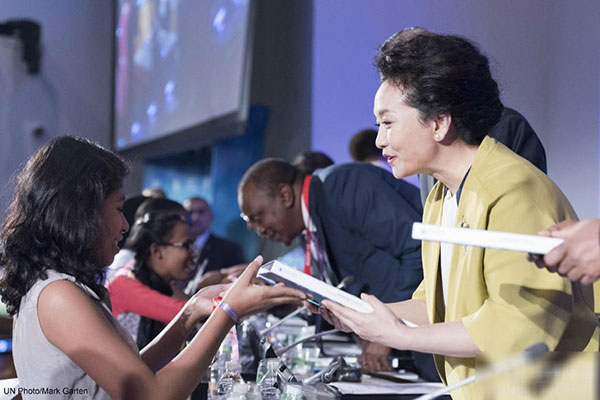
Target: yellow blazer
505,302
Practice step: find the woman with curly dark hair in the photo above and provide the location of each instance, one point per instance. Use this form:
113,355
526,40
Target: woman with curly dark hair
434,107
63,227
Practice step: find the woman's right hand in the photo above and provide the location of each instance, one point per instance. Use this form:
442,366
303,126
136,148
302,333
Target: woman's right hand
246,297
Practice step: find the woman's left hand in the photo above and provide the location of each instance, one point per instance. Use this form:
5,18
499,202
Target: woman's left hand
377,326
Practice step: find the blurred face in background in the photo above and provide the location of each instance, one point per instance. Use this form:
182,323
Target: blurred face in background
200,214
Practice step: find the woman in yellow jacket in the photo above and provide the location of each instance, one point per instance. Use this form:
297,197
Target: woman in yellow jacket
436,103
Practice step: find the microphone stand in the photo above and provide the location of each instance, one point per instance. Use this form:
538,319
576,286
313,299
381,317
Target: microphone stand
307,339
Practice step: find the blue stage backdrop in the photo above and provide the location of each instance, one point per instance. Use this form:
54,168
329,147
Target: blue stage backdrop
213,172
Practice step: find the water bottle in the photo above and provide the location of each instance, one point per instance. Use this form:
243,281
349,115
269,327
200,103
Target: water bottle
217,368
248,346
293,391
244,391
231,376
266,378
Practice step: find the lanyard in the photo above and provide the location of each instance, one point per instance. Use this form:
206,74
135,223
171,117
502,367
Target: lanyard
307,250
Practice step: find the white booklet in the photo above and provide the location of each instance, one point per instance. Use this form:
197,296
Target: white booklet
481,238
275,271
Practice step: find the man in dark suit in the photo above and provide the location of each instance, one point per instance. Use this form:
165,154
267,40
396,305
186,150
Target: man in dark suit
356,218
218,252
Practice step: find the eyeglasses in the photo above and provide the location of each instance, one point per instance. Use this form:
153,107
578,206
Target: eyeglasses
253,218
189,246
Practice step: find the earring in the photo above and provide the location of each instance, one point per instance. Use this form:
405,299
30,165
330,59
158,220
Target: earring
437,137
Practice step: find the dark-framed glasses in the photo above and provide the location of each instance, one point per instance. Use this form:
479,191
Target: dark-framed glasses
189,246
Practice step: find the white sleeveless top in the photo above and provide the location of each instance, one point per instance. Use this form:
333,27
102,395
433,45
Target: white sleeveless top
43,370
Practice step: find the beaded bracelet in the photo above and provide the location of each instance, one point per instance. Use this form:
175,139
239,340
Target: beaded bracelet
227,308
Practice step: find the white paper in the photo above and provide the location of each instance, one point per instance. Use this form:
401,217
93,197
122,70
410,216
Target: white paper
481,238
381,387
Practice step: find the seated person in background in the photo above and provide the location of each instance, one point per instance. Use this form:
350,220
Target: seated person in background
435,104
309,161
130,207
357,221
148,205
213,251
65,335
154,192
514,131
578,257
140,293
362,148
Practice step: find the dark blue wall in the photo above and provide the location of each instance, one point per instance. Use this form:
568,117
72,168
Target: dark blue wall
213,172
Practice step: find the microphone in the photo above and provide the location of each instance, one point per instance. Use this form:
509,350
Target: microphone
328,373
531,353
284,374
199,267
347,281
270,351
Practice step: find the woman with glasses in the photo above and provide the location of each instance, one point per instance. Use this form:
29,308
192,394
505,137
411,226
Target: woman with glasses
141,294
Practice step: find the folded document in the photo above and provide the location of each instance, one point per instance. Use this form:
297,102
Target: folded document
480,238
275,271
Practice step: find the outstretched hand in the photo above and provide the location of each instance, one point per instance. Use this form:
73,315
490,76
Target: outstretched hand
578,257
378,326
327,316
246,297
201,303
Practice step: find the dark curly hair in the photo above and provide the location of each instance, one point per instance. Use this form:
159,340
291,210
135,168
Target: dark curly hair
443,74
153,223
54,221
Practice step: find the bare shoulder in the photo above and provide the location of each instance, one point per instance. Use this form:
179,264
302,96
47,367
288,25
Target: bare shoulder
63,308
61,293
75,323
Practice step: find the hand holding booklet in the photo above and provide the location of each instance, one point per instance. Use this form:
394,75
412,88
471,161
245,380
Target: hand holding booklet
533,244
275,271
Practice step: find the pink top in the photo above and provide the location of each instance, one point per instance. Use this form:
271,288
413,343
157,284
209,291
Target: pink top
127,294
